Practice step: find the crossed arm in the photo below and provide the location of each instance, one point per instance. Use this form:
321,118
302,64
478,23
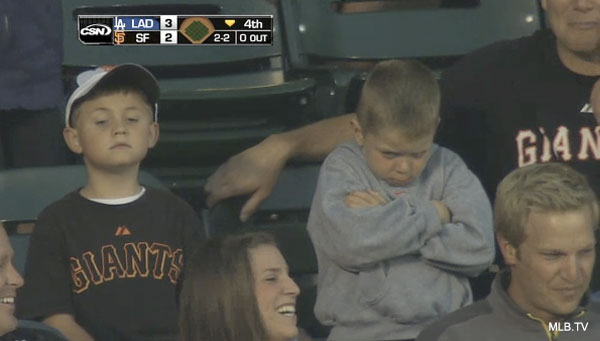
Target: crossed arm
360,228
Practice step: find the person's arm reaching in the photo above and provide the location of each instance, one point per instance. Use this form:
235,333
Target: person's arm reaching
67,325
255,170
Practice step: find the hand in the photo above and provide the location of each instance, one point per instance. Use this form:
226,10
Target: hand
255,170
443,211
368,198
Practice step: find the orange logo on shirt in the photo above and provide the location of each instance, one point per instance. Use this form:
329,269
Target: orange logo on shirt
122,231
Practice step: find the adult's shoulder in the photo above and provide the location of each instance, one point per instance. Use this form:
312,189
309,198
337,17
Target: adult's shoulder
484,74
499,56
461,325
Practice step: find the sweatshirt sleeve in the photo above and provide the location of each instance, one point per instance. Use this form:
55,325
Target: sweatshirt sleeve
355,238
466,244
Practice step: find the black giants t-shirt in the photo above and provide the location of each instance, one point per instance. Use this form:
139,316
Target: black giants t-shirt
514,103
114,267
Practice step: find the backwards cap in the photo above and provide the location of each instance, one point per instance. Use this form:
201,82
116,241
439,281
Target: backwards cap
125,74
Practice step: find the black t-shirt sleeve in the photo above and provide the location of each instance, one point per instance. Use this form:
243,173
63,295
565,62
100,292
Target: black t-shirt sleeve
462,126
47,288
469,89
193,230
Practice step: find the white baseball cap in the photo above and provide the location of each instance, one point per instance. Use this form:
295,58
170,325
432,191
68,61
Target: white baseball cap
124,74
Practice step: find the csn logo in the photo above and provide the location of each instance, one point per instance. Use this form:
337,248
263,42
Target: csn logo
95,30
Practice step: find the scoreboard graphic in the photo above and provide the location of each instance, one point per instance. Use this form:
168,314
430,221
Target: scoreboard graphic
169,30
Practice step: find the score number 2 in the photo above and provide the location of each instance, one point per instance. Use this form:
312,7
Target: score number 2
222,38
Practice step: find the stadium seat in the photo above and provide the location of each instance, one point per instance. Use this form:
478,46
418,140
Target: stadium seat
25,192
348,36
411,29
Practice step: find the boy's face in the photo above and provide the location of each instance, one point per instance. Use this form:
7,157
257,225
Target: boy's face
392,156
113,131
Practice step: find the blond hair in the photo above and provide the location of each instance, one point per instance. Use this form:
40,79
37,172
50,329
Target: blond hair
400,94
544,187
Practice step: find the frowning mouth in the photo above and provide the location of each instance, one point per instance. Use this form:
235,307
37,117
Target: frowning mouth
120,146
394,182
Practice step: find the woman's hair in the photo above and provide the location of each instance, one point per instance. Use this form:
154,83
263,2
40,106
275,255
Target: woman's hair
218,300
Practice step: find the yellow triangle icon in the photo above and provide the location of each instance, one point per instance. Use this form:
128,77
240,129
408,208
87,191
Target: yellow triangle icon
229,22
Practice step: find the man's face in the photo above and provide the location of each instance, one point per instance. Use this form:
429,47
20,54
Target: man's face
10,281
551,270
576,23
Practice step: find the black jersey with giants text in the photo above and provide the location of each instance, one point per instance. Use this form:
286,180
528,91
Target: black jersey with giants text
514,103
114,267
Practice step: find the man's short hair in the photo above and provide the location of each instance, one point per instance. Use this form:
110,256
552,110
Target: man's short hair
400,94
544,187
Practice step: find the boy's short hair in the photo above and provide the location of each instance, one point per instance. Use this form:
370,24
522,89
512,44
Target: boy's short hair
126,78
400,94
544,187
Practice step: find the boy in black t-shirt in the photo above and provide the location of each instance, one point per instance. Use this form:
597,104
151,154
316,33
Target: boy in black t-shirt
104,260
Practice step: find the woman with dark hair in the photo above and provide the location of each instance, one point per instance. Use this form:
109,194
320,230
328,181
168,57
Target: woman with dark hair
238,288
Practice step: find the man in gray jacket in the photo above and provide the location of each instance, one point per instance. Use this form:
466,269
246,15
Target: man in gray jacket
545,219
397,222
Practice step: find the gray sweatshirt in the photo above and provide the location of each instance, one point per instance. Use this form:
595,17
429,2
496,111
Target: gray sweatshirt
387,271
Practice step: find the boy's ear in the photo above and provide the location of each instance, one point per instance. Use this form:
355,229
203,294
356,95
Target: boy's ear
358,133
509,251
153,134
72,139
